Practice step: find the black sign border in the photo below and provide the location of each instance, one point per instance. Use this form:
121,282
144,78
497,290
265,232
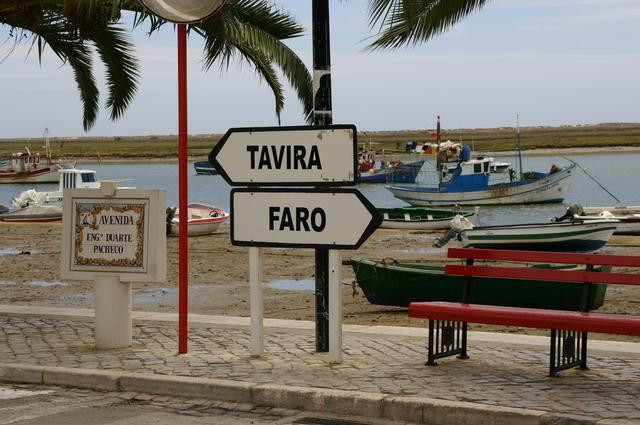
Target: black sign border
374,223
216,149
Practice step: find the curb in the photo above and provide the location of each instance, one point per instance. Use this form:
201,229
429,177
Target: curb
354,403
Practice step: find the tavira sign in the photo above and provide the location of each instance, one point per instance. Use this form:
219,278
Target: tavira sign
287,156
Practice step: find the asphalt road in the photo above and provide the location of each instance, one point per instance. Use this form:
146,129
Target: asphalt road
33,405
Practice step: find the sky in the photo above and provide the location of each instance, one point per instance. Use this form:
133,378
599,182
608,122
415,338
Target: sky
553,62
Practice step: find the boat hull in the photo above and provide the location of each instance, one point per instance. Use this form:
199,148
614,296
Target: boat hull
196,229
398,284
570,237
550,189
401,173
393,218
205,168
203,220
629,224
33,214
42,175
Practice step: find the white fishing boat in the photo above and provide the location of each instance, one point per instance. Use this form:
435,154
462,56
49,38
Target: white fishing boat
461,180
616,211
628,224
470,186
563,236
31,167
71,178
34,214
202,219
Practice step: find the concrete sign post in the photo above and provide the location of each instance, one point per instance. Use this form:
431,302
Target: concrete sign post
115,237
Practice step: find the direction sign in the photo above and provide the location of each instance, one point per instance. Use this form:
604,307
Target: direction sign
287,156
302,218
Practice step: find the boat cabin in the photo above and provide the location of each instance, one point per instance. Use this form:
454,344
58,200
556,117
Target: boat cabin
466,175
20,162
77,179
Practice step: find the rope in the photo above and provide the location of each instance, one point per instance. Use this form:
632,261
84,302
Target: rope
592,178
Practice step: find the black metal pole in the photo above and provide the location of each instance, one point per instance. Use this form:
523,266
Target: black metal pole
321,116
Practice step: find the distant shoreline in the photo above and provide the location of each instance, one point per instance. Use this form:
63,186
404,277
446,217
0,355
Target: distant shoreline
608,150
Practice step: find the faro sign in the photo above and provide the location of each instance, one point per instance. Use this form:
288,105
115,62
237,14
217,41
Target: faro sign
311,218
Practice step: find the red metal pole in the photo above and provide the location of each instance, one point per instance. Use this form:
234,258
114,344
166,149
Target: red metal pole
183,250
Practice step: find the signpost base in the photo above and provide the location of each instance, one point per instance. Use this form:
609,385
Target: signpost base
256,301
113,312
335,307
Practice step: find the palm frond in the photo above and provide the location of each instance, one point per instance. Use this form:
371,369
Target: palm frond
249,26
251,31
410,22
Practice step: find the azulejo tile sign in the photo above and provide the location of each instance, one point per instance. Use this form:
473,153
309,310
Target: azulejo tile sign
109,234
118,232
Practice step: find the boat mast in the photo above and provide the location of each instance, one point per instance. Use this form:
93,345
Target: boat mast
47,146
438,165
519,147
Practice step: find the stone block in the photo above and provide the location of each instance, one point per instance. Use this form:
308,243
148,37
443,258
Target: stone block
81,378
20,373
184,386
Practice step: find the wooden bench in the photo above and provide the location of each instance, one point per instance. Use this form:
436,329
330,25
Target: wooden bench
569,329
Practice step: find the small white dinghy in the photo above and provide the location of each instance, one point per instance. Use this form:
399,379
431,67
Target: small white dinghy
202,219
629,224
564,236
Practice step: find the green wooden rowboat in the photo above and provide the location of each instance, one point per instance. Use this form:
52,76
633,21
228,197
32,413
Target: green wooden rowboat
397,284
421,218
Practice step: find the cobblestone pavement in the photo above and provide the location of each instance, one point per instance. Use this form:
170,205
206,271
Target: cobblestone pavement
496,374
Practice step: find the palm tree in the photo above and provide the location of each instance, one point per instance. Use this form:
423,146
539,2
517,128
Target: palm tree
411,22
251,31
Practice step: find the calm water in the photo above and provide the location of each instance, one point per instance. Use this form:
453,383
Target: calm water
618,173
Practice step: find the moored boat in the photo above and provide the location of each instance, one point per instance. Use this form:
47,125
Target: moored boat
469,185
628,224
33,214
202,219
616,211
562,236
397,173
205,168
30,167
421,218
393,283
70,178
463,180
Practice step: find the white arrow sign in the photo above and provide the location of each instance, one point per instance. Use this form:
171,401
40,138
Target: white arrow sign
313,218
287,156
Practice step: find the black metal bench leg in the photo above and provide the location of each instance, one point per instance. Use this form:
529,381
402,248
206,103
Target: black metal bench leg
583,352
568,350
463,354
430,355
552,355
446,338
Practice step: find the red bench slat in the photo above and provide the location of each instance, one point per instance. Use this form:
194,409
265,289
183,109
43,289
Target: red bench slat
527,317
545,257
543,274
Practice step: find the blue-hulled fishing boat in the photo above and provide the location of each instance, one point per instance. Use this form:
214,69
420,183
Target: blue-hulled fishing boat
399,173
469,185
205,167
462,180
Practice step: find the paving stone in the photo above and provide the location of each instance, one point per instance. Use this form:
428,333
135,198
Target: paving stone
495,375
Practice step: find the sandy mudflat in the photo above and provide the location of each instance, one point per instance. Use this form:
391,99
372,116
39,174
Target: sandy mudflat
219,272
